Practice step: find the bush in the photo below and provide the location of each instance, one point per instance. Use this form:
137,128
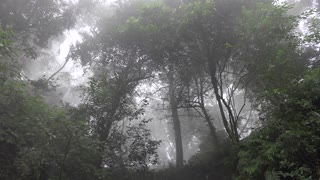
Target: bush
288,146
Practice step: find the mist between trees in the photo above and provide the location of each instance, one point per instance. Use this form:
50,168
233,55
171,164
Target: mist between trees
159,89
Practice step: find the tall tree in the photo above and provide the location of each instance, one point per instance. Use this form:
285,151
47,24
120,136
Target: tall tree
161,43
118,67
215,33
209,28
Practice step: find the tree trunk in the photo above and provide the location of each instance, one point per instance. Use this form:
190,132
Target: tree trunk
207,117
175,118
211,126
229,126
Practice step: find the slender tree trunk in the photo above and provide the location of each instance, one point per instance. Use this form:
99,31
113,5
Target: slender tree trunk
175,118
211,126
229,126
207,117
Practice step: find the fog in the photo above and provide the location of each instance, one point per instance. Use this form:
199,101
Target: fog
72,76
158,89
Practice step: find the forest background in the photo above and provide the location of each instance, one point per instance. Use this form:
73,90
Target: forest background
159,89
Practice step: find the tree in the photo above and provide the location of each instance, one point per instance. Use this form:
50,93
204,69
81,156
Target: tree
37,141
110,94
156,20
268,55
209,31
171,53
35,22
196,99
118,68
285,105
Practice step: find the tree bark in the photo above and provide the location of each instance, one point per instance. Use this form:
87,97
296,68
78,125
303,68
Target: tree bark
207,117
175,118
212,128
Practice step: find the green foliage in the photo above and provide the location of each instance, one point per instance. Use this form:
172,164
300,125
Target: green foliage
210,162
288,145
270,47
38,141
314,35
123,147
215,162
199,9
143,149
8,65
156,14
5,43
155,24
35,22
106,137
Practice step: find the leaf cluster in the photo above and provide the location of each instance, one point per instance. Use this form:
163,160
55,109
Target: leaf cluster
288,146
